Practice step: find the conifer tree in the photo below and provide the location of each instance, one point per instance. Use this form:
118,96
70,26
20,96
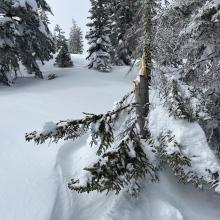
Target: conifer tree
123,14
24,37
59,37
191,46
44,17
76,39
63,58
98,36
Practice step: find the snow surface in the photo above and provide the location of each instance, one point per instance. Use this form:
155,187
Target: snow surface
34,178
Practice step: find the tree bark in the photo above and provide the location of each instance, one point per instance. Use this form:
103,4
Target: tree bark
143,82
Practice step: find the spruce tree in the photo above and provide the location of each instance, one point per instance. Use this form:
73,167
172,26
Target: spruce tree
44,17
76,39
98,36
8,51
24,37
190,45
59,37
63,58
123,14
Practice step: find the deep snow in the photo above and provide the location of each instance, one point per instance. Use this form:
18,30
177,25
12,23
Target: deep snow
29,182
33,183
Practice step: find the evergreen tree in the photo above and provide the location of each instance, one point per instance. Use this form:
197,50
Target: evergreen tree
63,58
76,39
44,17
59,37
123,14
98,36
24,37
191,46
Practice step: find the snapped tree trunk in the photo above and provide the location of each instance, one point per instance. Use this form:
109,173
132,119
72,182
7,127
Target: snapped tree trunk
143,82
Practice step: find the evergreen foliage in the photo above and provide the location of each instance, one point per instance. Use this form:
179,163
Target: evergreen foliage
44,17
98,36
24,37
63,58
170,153
76,39
186,40
175,102
181,100
122,15
59,37
118,168
123,157
122,160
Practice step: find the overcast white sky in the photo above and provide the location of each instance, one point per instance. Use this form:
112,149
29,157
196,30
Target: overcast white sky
66,10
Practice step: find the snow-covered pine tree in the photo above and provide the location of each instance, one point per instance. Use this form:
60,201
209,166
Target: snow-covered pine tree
24,37
76,39
98,36
201,66
188,42
63,58
8,52
122,15
59,37
44,16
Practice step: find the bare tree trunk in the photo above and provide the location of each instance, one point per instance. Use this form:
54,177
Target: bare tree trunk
143,82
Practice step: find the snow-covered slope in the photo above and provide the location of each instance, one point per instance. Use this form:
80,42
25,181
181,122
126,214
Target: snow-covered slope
29,182
34,178
166,200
